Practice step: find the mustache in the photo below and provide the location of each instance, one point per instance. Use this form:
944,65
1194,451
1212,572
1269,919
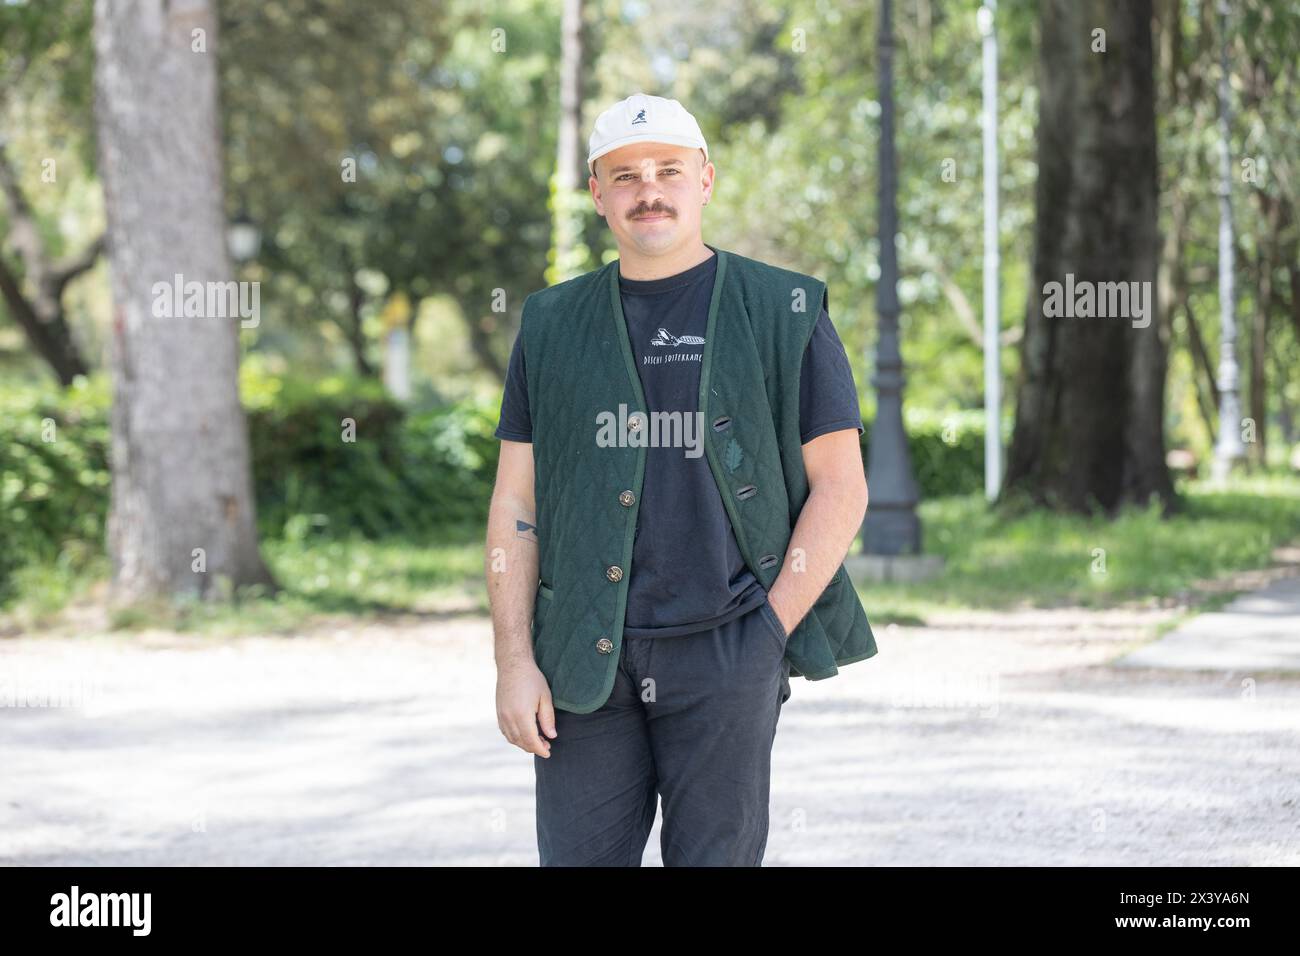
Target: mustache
657,209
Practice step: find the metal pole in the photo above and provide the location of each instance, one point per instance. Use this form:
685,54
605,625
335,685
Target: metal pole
891,526
1230,448
992,260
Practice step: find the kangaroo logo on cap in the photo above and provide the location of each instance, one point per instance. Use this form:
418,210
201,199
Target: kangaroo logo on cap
640,117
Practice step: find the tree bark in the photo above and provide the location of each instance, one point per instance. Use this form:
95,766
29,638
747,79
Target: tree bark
1090,406
1293,273
480,341
182,519
354,329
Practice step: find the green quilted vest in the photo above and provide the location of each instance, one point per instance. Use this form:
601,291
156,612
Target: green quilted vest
580,370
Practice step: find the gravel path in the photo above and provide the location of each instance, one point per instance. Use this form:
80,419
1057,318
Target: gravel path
988,739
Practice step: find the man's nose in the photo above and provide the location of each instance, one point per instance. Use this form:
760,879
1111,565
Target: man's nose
649,186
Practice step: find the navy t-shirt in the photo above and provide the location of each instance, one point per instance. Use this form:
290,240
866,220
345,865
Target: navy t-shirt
687,571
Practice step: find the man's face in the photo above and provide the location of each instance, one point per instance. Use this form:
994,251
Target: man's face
651,194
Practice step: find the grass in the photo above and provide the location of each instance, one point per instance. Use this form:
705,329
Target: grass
318,577
993,561
1042,559
329,577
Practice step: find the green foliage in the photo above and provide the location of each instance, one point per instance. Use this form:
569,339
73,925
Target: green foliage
405,150
332,457
326,449
54,478
997,559
337,455
450,459
820,157
47,46
947,450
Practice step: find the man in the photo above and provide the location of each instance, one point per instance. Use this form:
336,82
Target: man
680,480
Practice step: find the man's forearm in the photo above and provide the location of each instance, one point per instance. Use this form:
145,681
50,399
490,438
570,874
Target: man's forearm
830,520
511,570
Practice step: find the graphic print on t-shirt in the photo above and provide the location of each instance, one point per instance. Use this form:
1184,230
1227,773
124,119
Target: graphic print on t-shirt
664,337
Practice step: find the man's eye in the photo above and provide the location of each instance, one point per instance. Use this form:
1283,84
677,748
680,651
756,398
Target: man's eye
633,176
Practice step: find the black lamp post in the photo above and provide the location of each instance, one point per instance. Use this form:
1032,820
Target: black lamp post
891,526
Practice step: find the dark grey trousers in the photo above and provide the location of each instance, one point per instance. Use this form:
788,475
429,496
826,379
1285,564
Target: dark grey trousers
691,719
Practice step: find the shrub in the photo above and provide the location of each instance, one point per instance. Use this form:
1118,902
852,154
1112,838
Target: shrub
54,478
410,474
947,450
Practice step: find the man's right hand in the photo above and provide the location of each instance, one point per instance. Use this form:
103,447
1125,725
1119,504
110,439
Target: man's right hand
524,702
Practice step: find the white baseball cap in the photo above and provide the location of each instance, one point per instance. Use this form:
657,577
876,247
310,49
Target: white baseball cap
642,118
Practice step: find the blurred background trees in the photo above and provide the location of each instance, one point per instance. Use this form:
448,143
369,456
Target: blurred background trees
399,161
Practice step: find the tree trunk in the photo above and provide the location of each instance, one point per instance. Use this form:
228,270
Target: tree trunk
570,149
48,335
182,518
480,341
1090,406
354,330
1285,416
1293,273
41,315
569,255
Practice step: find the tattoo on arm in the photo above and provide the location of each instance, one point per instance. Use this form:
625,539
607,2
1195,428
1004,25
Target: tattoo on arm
525,530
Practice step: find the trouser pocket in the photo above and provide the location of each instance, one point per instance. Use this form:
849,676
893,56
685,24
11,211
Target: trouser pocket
773,625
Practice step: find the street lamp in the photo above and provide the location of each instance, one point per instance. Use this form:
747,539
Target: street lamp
243,239
992,306
892,527
1230,449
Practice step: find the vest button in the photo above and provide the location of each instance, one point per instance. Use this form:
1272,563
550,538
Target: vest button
634,423
614,572
604,645
625,498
